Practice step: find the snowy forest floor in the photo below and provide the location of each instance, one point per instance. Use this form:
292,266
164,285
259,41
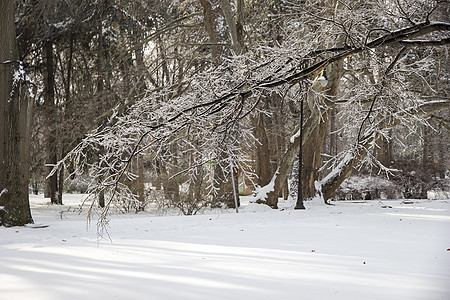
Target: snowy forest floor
352,250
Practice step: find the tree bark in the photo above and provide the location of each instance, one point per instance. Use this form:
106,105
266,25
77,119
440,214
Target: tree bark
235,26
100,99
333,135
384,152
50,117
69,108
14,127
60,182
313,154
210,19
312,158
141,182
263,170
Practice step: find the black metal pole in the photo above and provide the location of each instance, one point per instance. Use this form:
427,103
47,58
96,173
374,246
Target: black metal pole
234,188
299,204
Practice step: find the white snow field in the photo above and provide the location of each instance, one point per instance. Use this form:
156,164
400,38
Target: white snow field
365,250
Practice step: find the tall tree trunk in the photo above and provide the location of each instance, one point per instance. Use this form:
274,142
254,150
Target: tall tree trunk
50,118
68,110
384,152
235,25
426,157
213,16
99,106
15,128
263,170
279,135
61,182
312,153
333,134
210,19
141,182
312,158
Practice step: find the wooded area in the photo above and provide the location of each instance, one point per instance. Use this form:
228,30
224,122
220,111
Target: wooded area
139,102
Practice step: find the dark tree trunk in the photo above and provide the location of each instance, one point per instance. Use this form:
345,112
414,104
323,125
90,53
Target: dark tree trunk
312,159
101,198
385,151
299,204
225,193
100,95
333,134
50,118
211,15
263,170
141,182
46,189
68,110
15,119
426,157
60,184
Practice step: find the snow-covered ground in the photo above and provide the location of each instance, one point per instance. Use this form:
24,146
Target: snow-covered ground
358,250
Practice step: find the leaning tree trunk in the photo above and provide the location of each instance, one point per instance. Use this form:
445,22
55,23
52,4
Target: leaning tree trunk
14,127
330,183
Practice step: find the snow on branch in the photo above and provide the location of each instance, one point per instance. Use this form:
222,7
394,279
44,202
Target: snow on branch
20,76
334,173
3,192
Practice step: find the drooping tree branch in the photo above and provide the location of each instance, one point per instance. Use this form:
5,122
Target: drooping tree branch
425,43
244,90
209,105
